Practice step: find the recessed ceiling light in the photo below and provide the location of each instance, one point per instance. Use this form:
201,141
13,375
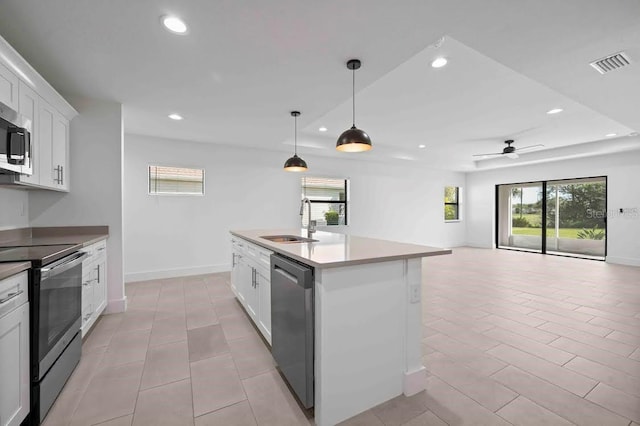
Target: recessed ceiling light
555,111
610,135
174,24
175,116
421,146
439,62
322,129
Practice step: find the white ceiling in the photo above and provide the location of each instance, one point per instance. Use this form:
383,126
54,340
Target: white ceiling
245,64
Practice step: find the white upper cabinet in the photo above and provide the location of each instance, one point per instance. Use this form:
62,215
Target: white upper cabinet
50,114
8,87
30,109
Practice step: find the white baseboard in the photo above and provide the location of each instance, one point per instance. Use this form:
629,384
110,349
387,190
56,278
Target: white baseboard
415,381
116,306
623,261
480,245
176,272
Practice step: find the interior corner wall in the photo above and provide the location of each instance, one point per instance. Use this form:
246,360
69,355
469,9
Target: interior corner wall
95,196
247,188
622,171
14,208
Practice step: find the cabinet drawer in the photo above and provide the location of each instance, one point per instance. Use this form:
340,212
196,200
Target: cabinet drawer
14,291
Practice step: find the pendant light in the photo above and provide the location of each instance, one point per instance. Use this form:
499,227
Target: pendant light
295,163
354,139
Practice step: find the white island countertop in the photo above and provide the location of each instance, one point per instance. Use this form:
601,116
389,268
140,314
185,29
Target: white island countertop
334,250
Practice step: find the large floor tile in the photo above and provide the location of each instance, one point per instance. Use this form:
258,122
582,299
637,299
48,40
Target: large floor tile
482,389
616,401
111,393
168,330
557,400
559,376
206,342
127,347
533,347
239,414
604,374
120,421
272,402
366,418
215,384
201,316
400,409
165,364
251,356
524,412
455,408
618,362
472,357
167,405
237,327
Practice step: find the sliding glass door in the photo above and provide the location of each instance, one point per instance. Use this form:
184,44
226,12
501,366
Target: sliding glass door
576,219
566,217
520,211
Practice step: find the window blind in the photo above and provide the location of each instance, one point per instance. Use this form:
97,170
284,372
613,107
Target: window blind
176,180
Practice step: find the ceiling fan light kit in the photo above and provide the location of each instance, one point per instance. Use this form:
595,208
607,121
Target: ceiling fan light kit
295,163
353,139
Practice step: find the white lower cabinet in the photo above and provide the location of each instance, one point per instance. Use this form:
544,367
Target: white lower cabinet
14,350
94,284
251,282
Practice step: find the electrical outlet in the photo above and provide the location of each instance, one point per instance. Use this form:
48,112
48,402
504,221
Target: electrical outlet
414,293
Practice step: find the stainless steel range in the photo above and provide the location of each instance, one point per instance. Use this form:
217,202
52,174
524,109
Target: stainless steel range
55,293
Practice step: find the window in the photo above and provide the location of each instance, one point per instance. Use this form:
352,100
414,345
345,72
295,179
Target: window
451,203
328,200
175,180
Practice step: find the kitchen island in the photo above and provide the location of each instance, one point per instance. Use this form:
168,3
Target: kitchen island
367,316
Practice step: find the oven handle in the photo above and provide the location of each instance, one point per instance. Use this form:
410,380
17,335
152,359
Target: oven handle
62,267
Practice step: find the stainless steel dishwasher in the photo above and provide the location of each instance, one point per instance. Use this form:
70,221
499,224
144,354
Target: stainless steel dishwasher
292,324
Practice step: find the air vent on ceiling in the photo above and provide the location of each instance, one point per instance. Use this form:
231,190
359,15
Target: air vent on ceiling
611,62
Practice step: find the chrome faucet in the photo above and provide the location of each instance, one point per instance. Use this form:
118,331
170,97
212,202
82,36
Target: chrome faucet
311,225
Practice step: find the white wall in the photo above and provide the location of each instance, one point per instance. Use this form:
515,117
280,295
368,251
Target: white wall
14,208
247,188
95,185
622,170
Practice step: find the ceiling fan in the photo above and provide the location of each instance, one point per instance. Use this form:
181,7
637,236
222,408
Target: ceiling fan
510,151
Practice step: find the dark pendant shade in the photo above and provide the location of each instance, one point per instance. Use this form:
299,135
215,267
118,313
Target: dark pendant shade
353,140
295,164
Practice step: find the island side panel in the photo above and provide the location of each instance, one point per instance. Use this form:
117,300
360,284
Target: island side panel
361,338
415,373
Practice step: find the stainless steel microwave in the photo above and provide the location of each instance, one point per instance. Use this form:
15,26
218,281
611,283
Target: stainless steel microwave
15,142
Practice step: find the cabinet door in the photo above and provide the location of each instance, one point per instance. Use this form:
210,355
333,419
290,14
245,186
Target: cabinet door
100,283
264,313
29,105
9,88
234,272
87,304
251,296
244,278
48,175
14,368
60,149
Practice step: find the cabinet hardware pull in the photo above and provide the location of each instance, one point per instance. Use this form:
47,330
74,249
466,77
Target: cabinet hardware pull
11,296
61,175
98,268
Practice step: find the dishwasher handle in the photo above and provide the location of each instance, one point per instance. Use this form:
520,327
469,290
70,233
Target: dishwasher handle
289,276
292,270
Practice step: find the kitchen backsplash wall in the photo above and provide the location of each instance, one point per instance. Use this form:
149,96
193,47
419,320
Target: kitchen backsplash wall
14,208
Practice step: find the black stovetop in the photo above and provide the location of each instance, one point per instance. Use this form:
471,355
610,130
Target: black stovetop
37,255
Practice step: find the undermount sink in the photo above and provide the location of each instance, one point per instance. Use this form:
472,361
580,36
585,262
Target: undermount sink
289,239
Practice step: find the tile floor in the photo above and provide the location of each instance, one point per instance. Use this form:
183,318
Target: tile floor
509,338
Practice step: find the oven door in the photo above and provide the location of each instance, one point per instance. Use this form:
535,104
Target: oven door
58,297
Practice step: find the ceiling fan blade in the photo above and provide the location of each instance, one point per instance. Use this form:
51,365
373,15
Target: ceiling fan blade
486,155
524,148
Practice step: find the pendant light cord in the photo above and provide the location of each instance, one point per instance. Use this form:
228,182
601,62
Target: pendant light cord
353,96
295,134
